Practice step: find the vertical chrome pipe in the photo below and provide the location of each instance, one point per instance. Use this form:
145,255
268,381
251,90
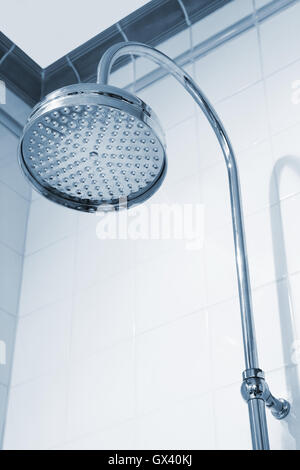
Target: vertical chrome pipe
256,406
258,424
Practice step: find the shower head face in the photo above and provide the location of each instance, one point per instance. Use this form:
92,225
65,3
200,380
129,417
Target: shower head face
91,147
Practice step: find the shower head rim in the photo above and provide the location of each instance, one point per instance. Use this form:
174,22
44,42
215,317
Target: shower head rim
71,203
89,87
85,89
94,94
140,109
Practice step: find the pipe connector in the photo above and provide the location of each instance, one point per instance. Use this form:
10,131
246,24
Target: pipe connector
254,386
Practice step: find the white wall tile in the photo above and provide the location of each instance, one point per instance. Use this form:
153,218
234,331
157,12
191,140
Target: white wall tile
261,3
271,307
168,206
48,223
185,191
286,149
16,107
173,362
101,391
281,49
169,100
244,117
209,150
216,196
123,76
176,45
100,259
182,151
10,279
258,181
261,227
230,68
14,197
169,287
9,146
147,249
12,176
42,342
122,437
284,434
7,335
47,276
36,414
294,317
165,204
283,93
220,270
35,195
3,405
173,47
232,421
226,343
221,19
291,231
87,220
103,315
255,168
14,211
179,426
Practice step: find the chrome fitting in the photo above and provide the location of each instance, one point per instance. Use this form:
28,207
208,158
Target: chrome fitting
280,407
254,386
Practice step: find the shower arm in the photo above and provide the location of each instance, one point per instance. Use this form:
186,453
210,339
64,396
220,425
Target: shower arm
255,390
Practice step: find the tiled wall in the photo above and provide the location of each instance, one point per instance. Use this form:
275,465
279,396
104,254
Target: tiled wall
138,344
15,196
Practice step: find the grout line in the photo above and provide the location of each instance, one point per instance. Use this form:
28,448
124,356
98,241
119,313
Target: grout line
76,73
135,312
217,40
125,37
161,408
128,340
94,432
14,190
167,251
14,250
212,386
240,91
185,13
17,318
51,244
37,311
13,315
226,99
42,84
72,298
212,230
7,53
10,123
261,61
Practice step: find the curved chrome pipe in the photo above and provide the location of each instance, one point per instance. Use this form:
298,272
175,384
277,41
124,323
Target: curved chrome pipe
256,403
103,72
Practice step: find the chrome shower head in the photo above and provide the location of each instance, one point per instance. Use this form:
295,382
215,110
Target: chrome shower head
88,146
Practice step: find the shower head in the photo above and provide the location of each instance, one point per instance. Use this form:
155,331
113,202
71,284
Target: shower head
90,146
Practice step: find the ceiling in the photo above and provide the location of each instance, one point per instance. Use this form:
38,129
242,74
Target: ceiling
48,30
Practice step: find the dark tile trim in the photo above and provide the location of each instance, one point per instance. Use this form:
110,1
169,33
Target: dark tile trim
152,24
